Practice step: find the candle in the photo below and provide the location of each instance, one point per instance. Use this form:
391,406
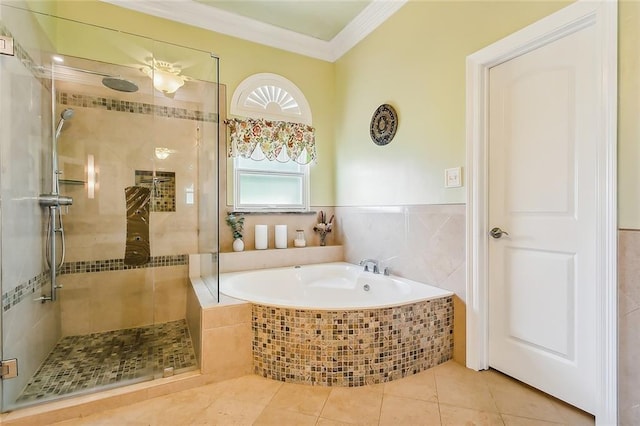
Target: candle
281,236
261,237
299,241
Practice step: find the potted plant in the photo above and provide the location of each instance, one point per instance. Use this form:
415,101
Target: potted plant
323,227
236,223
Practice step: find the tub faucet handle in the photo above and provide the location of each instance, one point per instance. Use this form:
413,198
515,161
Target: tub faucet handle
366,262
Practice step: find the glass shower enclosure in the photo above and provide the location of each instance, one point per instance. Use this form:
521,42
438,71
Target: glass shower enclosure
108,157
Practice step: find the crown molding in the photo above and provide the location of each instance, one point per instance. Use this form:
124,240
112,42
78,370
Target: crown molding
362,25
210,18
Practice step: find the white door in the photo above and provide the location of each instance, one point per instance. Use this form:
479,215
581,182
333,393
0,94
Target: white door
542,190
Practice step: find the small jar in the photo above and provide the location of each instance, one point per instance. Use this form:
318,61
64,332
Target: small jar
299,241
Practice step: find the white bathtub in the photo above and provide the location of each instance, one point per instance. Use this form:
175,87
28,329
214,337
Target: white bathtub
337,285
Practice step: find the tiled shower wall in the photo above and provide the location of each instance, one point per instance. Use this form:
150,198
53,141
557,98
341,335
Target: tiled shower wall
122,132
629,327
30,329
424,243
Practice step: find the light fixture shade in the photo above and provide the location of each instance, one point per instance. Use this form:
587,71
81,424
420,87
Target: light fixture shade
166,77
163,153
167,82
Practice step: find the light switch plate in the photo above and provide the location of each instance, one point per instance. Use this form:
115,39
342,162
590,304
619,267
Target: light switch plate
453,177
6,45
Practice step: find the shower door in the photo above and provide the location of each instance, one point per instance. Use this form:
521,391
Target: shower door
29,328
137,159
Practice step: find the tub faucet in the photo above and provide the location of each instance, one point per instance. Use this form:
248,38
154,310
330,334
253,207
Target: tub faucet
366,262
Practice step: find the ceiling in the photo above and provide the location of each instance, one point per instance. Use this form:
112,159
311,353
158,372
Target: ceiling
315,18
323,29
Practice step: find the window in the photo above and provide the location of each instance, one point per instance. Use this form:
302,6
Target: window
269,180
270,185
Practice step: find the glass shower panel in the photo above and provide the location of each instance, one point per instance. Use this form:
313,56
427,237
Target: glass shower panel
108,290
186,138
29,328
132,159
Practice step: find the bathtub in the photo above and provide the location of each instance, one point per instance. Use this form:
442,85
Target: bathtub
335,325
336,285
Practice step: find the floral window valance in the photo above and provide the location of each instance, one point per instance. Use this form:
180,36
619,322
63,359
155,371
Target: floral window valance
276,140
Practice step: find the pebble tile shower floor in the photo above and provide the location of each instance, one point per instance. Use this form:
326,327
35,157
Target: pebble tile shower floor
81,363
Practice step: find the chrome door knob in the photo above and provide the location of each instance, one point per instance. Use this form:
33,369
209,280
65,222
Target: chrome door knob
497,233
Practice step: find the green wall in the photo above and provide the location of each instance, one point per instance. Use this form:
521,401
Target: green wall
416,62
629,115
239,59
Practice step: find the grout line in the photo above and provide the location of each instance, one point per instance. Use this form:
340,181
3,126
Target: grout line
324,404
381,405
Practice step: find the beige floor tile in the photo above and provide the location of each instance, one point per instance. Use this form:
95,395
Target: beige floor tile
407,411
251,388
165,410
459,371
523,421
208,392
526,402
354,405
455,416
329,422
467,391
465,397
272,416
503,386
573,416
300,398
227,411
419,386
108,418
500,381
85,421
134,415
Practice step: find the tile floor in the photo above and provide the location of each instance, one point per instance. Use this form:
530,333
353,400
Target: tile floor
448,394
78,364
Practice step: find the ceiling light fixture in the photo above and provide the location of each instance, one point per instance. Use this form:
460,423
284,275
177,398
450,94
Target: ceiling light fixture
166,77
163,153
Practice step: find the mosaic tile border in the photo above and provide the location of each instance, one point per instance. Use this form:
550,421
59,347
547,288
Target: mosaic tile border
109,104
118,264
27,289
27,61
351,348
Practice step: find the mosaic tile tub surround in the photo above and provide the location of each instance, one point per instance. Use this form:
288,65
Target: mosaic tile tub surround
351,347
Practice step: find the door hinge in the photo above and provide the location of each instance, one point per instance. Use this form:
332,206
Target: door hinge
8,369
6,45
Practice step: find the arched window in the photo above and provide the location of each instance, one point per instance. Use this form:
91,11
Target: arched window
272,97
281,184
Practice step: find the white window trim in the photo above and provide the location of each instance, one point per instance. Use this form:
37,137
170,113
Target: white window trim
248,85
272,208
240,107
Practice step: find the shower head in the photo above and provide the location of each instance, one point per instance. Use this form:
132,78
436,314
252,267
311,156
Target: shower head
66,114
120,84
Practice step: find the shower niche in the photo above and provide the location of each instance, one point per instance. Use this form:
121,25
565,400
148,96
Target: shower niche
162,186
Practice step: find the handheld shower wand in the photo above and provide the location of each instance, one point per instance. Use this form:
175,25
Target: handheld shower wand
65,115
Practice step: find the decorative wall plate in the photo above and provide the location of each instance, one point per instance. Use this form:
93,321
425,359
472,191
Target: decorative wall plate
384,124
